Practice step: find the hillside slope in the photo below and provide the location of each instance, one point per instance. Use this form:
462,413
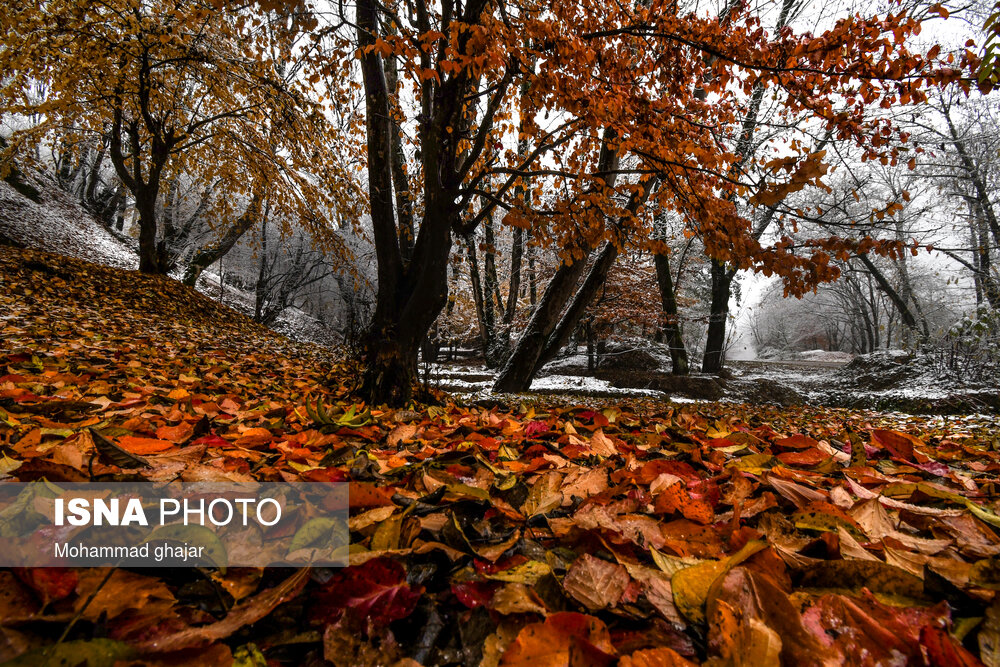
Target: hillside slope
53,303
57,223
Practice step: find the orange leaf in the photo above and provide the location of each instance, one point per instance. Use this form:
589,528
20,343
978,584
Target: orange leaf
655,657
566,639
254,437
135,445
365,494
178,433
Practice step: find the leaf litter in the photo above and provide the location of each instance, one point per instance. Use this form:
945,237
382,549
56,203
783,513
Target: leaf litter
564,531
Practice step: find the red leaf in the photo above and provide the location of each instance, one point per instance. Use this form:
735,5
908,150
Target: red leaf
475,593
535,428
376,591
212,440
869,631
797,441
51,583
899,445
324,475
654,469
944,651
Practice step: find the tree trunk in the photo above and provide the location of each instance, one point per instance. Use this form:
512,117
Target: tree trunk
400,180
582,299
671,327
484,309
532,280
263,270
715,342
987,285
982,195
906,291
549,328
516,253
900,304
518,371
390,366
412,294
93,179
491,282
149,252
207,255
145,191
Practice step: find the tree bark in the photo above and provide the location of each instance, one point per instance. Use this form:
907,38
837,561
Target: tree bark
516,253
671,327
93,178
987,284
400,180
484,310
491,282
149,253
715,342
897,301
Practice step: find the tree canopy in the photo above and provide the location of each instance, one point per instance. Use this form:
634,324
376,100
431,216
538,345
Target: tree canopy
181,88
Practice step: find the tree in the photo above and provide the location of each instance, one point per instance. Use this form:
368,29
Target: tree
632,96
286,267
179,88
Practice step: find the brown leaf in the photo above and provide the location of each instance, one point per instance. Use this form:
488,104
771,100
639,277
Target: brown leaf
124,590
517,598
596,583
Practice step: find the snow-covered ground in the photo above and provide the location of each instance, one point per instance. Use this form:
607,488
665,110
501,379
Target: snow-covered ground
292,323
477,380
825,356
59,224
884,381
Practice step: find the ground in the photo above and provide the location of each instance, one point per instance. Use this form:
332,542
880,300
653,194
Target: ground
533,530
886,380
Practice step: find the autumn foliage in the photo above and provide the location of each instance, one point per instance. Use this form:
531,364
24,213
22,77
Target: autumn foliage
578,121
171,90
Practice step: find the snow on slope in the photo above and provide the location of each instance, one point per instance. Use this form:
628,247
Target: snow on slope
59,224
